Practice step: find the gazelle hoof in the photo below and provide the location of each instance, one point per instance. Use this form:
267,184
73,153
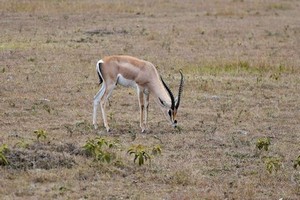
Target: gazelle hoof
143,130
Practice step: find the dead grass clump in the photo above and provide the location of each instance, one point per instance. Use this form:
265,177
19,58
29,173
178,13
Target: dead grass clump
70,148
42,156
39,159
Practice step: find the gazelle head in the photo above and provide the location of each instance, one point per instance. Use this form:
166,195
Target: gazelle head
170,110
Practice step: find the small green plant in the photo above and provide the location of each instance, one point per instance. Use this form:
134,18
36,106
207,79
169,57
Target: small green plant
99,148
3,150
141,153
40,134
272,164
263,143
156,150
297,162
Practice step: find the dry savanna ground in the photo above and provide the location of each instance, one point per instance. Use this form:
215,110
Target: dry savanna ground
241,62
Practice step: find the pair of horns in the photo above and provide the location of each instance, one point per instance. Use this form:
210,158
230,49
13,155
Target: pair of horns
174,105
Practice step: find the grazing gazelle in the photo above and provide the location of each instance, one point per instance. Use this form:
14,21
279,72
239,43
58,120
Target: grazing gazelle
130,71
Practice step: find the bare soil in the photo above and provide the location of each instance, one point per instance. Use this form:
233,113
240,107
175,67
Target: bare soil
241,62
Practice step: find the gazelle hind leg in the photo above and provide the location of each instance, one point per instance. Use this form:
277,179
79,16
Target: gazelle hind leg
97,99
103,101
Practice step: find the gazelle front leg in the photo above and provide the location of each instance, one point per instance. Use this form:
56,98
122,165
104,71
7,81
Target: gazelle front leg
146,97
142,107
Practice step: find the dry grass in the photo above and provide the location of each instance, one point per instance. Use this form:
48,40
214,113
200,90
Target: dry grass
241,65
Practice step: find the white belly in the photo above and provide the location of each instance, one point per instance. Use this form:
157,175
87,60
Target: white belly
125,82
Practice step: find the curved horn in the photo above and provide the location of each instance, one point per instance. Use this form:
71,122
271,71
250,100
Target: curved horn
170,94
180,91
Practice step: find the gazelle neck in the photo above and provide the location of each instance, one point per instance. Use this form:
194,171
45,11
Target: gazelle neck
160,94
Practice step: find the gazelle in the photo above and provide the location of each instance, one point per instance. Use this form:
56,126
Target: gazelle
130,71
